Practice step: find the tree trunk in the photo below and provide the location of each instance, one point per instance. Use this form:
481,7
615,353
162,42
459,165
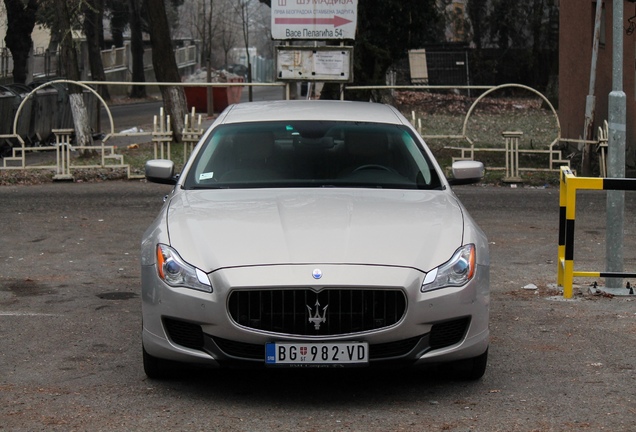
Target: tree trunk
20,23
246,38
137,50
93,16
165,65
69,60
477,15
119,17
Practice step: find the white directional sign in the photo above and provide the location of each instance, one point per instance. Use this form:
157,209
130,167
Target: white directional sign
314,19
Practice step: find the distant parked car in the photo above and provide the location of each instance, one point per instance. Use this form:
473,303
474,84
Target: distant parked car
313,234
236,69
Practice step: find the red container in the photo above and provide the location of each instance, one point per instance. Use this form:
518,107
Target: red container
197,97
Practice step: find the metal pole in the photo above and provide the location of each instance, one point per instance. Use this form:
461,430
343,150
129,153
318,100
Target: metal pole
616,153
467,71
590,102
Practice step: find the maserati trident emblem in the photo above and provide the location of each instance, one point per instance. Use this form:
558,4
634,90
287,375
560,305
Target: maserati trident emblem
315,318
317,273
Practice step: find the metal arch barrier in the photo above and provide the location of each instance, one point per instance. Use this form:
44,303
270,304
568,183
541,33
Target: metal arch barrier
511,138
512,151
63,144
47,84
192,132
14,133
569,185
512,148
536,92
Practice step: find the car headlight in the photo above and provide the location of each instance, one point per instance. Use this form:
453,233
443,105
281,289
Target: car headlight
174,271
455,272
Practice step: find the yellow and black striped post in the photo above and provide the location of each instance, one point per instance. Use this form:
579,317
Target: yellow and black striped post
569,185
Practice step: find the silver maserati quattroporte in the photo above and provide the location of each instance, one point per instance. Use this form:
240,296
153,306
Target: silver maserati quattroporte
314,234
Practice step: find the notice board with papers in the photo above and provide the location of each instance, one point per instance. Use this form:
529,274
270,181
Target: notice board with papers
325,63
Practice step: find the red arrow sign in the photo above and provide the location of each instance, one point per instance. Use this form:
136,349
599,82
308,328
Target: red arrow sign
336,21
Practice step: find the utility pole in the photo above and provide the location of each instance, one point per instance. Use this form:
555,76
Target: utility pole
616,152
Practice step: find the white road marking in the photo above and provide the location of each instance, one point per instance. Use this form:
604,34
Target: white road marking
26,314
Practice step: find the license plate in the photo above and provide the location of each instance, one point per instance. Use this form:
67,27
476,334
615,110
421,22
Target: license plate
316,354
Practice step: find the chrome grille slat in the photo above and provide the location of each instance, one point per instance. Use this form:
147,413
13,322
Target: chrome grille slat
286,310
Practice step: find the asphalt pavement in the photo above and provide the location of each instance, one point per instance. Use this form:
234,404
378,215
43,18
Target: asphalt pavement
70,349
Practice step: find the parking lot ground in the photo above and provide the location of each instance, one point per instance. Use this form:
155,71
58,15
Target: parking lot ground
70,351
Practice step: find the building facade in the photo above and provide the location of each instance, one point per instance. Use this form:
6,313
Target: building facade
576,37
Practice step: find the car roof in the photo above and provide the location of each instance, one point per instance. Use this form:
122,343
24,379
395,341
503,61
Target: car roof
325,110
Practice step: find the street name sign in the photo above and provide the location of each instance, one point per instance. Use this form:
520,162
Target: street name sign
314,19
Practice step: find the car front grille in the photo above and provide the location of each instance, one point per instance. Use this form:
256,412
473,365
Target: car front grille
304,312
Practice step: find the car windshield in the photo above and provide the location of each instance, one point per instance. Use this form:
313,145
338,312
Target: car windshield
312,154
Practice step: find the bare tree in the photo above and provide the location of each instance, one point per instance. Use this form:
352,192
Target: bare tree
524,37
165,65
21,17
207,30
203,20
244,12
261,30
118,14
227,38
64,17
477,13
94,30
137,49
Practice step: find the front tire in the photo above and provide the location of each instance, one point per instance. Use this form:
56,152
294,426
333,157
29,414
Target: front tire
472,369
155,368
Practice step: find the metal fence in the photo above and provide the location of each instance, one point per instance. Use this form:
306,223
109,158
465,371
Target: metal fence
433,68
46,63
47,104
463,143
53,108
448,68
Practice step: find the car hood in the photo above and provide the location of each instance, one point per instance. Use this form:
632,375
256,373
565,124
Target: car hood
215,229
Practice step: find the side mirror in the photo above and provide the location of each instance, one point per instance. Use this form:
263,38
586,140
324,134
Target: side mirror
467,172
160,171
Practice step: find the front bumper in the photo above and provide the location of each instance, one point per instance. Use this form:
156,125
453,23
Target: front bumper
185,325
